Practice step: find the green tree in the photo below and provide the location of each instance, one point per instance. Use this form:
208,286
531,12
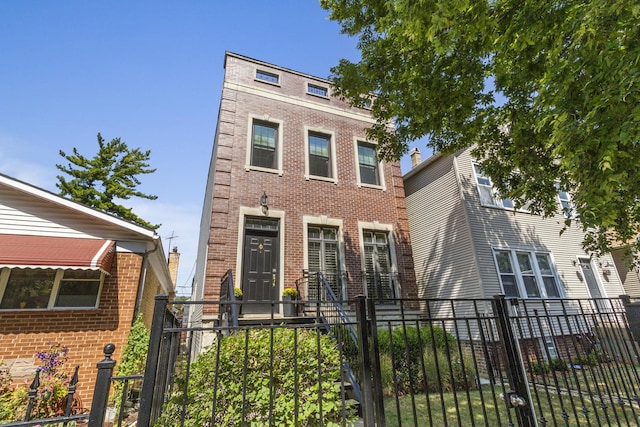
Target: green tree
546,93
110,175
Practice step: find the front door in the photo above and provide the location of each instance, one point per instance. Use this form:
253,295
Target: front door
590,278
260,265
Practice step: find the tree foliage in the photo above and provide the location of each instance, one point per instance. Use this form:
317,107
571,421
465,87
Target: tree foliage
546,93
110,175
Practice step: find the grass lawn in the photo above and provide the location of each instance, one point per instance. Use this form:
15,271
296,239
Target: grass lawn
481,408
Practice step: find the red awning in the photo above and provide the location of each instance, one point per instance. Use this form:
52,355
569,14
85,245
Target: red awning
55,252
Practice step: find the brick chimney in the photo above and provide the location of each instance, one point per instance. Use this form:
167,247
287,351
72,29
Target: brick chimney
174,260
416,158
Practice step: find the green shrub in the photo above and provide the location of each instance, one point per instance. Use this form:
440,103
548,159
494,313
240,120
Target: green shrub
268,386
134,357
447,372
407,353
542,367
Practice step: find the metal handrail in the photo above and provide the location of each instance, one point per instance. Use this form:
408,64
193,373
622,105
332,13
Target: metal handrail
227,294
344,321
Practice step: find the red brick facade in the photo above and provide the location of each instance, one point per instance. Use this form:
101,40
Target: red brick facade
85,332
236,186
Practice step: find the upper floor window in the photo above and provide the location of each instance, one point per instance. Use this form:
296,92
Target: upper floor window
320,155
488,196
567,205
317,90
527,274
265,145
41,288
267,77
368,165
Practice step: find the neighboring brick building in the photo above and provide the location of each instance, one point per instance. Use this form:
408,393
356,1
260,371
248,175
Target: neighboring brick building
330,205
71,275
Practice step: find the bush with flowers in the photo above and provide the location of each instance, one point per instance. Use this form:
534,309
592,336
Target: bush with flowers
51,393
51,397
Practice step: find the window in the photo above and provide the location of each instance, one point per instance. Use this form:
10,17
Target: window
488,196
377,265
317,90
526,274
368,164
323,256
33,288
566,204
264,144
320,161
267,77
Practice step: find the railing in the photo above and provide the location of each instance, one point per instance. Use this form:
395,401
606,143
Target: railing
95,418
337,322
130,395
229,307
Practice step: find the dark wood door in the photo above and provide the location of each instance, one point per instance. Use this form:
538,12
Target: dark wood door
260,265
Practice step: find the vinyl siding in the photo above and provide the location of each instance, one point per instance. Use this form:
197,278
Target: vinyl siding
441,243
21,213
630,278
500,228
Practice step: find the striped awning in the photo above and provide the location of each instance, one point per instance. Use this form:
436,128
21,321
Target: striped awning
55,252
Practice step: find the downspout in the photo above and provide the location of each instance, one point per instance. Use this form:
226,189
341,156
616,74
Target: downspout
143,276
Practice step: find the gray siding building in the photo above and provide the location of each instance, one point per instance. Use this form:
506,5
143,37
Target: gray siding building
469,243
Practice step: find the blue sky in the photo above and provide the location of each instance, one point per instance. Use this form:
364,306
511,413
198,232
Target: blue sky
149,72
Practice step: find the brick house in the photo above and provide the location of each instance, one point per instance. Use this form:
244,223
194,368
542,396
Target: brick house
295,186
72,275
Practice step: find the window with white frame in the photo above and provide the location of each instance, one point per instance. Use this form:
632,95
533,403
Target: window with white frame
42,288
378,269
527,274
323,255
488,196
566,204
320,155
264,144
368,165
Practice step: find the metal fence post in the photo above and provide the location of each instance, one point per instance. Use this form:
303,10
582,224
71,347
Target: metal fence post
151,368
365,361
101,390
519,396
632,310
376,369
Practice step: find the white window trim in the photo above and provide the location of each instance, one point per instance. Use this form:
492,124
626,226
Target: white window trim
322,220
264,118
258,212
382,185
496,197
259,70
4,279
376,226
522,291
571,213
319,86
332,153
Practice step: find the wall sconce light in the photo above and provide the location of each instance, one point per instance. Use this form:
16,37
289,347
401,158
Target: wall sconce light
263,203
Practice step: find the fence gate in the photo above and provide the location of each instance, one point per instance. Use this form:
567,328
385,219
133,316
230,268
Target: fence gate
464,362
503,362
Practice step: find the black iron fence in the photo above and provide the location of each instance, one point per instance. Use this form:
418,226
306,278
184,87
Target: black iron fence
423,363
